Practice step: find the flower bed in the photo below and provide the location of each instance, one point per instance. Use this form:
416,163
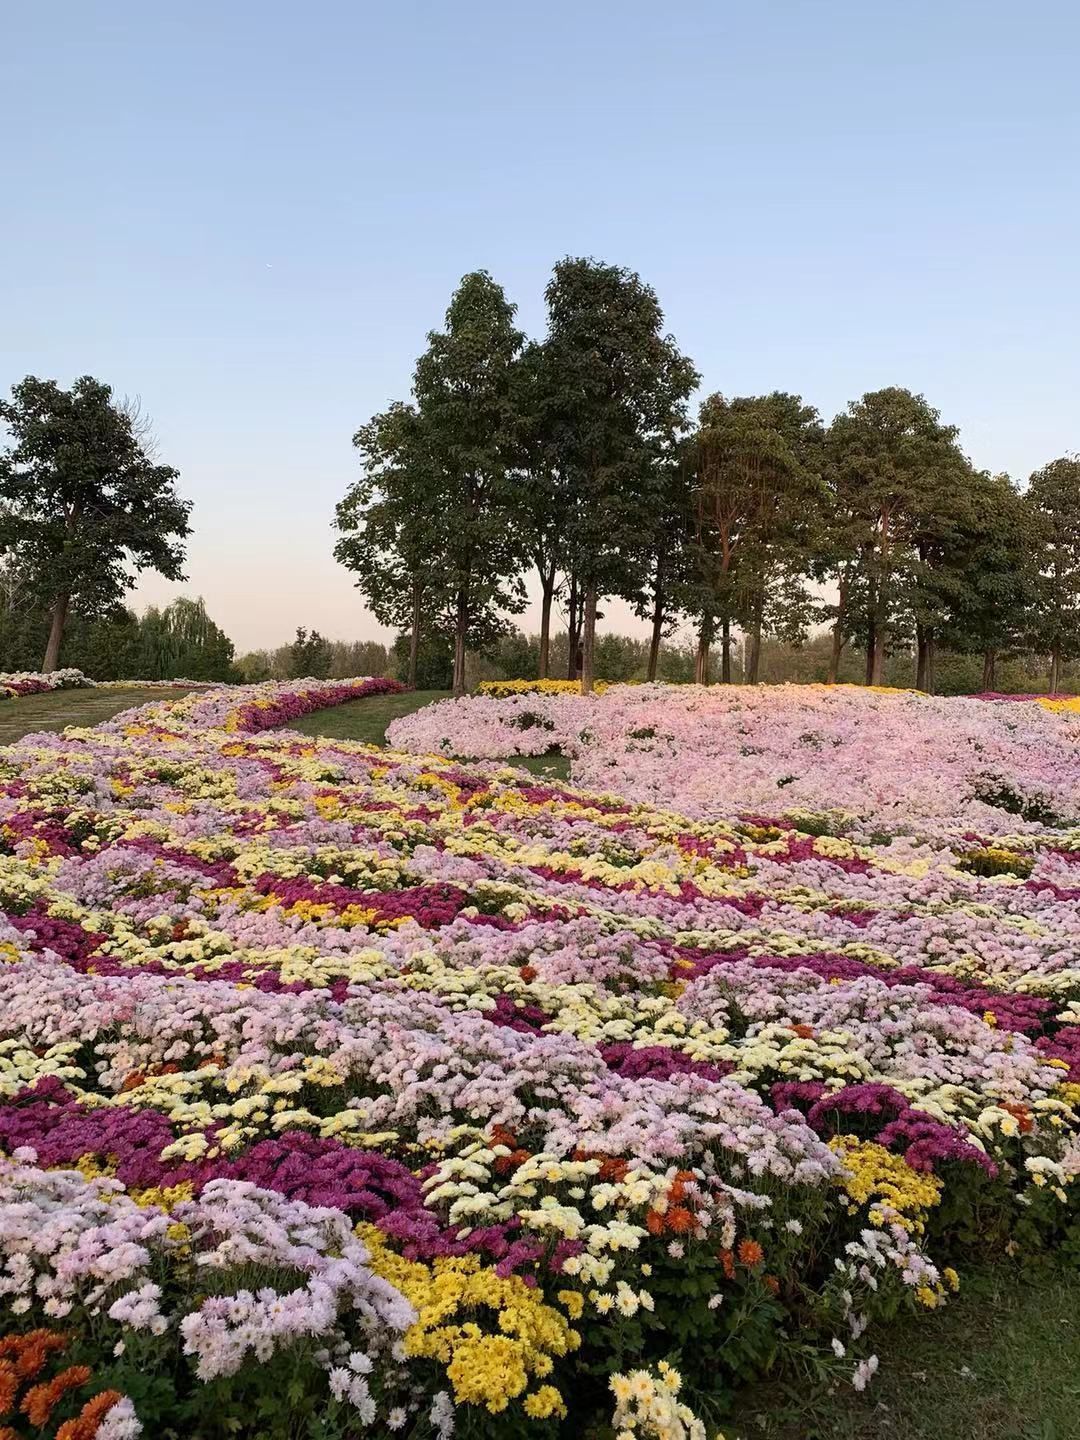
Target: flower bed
874,761
500,689
343,1090
34,682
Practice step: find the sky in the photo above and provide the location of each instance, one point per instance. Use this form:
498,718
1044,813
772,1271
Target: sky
250,214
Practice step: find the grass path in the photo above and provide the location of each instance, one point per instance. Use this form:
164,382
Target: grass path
58,708
1000,1362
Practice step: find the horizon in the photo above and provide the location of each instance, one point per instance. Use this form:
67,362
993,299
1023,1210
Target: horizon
252,219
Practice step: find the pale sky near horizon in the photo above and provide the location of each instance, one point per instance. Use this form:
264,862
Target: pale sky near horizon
250,214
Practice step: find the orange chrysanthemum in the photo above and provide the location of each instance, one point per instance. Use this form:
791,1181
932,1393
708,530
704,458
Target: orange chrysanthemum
85,1424
727,1260
750,1252
1021,1114
9,1386
654,1222
39,1403
680,1221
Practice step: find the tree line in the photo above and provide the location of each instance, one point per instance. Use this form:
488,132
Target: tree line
574,458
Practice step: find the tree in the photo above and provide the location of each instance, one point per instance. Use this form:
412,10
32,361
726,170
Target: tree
666,567
968,582
1053,499
994,572
540,492
432,668
200,649
390,528
82,504
756,491
618,405
464,388
309,655
895,465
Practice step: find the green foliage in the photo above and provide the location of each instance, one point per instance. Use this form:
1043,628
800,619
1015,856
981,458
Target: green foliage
755,502
1053,498
82,504
434,661
309,655
177,642
616,405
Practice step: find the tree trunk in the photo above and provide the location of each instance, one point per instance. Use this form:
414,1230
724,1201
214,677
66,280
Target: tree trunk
838,635
547,583
701,658
871,646
657,632
1055,669
989,669
414,635
460,627
588,639
877,667
922,647
659,600
931,663
753,660
56,634
573,629
725,651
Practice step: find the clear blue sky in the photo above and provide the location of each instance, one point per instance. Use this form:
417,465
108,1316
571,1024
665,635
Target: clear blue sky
249,214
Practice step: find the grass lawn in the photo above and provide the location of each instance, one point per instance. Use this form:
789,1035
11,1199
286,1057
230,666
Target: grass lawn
54,710
366,720
1000,1362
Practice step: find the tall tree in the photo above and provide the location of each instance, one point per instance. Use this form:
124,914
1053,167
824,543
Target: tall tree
992,571
390,531
465,392
895,462
619,403
539,492
1053,497
82,503
757,489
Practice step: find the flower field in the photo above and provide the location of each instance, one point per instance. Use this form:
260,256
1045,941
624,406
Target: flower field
355,1091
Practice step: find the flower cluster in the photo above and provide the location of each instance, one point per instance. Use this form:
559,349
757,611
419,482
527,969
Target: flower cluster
876,762
36,682
432,1094
500,689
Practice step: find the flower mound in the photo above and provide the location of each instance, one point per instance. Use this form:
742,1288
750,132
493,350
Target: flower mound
880,762
433,1097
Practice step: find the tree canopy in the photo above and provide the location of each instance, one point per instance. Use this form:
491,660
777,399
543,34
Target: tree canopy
83,505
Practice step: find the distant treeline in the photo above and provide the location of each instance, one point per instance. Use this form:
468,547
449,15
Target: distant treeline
180,640
515,655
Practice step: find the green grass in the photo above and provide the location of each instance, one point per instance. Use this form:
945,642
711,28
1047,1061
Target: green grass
58,708
1000,1362
366,720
